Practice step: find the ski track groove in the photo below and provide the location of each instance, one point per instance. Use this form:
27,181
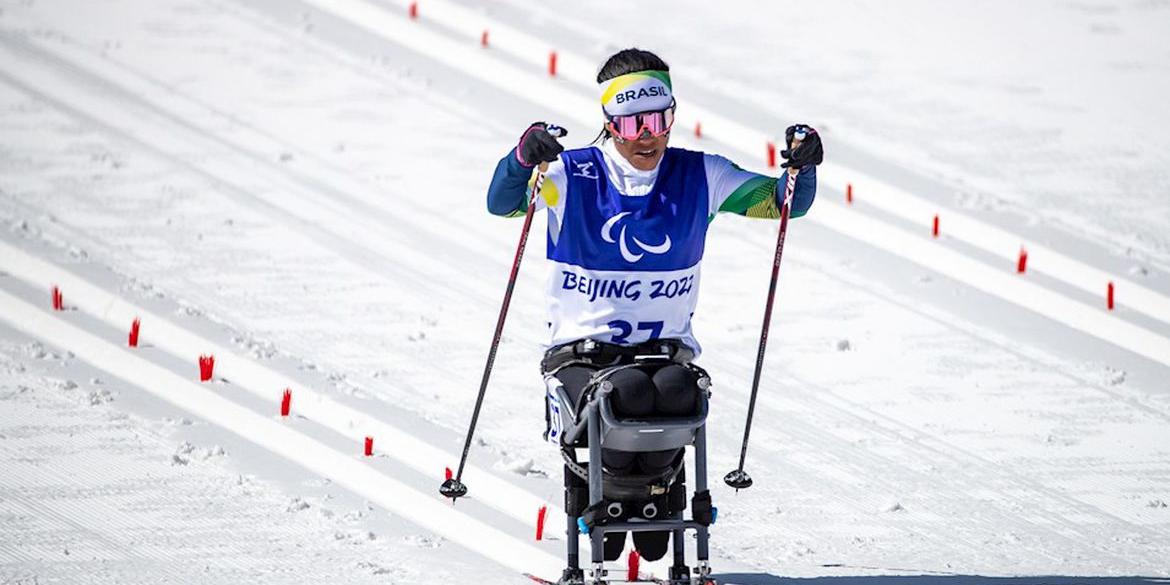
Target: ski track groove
959,460
859,462
344,246
346,471
903,433
355,213
814,438
80,516
474,292
893,428
1037,357
133,539
343,59
357,421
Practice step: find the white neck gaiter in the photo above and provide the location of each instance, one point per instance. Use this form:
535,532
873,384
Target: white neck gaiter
623,175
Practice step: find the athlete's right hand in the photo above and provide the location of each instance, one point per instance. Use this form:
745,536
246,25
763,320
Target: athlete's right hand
539,144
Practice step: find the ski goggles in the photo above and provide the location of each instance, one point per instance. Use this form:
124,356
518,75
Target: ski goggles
631,126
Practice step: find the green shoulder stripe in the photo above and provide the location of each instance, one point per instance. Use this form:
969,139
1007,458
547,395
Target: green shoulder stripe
756,197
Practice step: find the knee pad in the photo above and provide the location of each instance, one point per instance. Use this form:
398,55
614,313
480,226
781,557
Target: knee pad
633,393
676,391
618,462
657,461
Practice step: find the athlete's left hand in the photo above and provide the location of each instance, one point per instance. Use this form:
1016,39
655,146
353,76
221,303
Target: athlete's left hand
804,147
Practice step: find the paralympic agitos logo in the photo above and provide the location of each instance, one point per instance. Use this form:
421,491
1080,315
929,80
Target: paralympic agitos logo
652,91
624,247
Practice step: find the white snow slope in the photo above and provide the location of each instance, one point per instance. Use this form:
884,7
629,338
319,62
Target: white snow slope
297,187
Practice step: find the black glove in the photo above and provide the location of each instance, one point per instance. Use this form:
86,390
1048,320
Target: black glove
809,152
539,144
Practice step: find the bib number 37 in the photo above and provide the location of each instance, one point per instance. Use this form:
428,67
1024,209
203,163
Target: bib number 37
625,329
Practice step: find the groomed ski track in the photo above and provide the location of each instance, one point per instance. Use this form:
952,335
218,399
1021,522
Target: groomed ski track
821,426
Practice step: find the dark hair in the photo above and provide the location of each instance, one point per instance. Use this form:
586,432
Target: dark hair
630,60
626,61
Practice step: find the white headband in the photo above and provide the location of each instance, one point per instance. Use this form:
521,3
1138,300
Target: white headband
642,91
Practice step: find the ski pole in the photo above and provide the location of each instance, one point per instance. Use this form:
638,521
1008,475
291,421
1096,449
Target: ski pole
739,479
454,488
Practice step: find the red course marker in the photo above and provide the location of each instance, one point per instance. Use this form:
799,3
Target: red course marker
58,300
540,514
1022,264
632,566
133,339
448,474
369,446
413,10
935,229
849,193
771,155
698,130
483,39
552,63
286,402
1109,296
206,367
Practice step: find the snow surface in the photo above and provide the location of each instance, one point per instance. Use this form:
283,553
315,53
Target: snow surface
271,177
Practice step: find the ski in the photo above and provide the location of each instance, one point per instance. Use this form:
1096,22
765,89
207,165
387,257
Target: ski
641,579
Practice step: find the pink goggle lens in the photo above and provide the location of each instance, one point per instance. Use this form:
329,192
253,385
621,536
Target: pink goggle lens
631,127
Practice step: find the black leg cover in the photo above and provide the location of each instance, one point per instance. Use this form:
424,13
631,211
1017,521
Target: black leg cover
615,543
651,545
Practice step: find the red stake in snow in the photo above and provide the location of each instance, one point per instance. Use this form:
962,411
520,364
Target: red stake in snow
632,565
413,10
133,340
849,193
552,63
540,514
58,300
935,229
483,39
286,402
1022,264
206,367
771,155
698,130
369,446
447,473
1109,296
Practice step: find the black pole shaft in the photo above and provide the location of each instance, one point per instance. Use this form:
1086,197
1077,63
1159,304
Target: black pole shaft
785,211
491,359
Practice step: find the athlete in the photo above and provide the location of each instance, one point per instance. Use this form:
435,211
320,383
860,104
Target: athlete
627,223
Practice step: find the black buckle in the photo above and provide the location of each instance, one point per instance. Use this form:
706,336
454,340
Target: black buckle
701,509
